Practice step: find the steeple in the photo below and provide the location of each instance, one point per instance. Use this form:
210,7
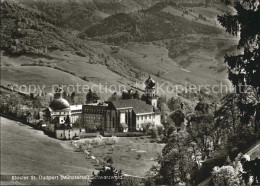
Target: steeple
58,93
149,87
150,92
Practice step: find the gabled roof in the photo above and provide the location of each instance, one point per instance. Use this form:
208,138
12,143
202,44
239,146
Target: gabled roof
137,105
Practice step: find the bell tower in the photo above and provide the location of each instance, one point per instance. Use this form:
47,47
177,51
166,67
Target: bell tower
150,92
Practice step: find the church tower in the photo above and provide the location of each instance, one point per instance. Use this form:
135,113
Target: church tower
150,92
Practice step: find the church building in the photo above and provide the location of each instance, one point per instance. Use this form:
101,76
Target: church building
123,115
62,119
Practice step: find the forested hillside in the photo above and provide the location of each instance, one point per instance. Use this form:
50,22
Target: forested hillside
146,25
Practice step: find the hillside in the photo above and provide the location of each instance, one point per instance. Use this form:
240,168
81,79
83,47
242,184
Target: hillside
44,156
146,25
34,50
168,37
71,14
173,48
26,30
81,14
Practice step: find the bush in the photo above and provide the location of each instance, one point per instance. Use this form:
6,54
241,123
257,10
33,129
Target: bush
138,156
88,135
132,181
80,54
109,160
85,78
123,134
226,175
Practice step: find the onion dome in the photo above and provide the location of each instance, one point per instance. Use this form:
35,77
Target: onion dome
149,83
59,104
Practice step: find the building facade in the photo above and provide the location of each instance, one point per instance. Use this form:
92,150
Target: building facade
123,115
62,120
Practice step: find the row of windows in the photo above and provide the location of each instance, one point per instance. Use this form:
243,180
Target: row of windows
94,111
145,117
61,113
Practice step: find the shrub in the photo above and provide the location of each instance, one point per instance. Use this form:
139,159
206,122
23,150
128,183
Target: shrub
138,156
109,160
226,176
80,54
132,181
123,134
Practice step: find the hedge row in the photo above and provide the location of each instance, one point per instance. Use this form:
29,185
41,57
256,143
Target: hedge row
123,134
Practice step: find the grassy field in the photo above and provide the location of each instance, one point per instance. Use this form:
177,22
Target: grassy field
26,151
124,152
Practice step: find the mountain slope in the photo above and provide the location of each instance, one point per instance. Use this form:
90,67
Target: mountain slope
71,14
145,25
32,42
162,44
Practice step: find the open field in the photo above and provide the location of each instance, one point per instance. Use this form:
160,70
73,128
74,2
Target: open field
124,152
26,151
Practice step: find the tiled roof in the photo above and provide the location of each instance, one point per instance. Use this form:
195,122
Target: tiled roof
137,105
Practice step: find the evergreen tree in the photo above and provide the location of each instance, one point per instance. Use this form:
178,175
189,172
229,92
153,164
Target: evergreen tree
136,95
113,97
95,97
92,97
244,69
89,96
72,97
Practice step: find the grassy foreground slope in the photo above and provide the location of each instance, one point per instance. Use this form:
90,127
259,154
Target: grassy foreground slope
26,151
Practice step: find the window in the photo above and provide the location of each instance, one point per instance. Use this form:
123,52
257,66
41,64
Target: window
142,117
122,118
113,122
150,116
